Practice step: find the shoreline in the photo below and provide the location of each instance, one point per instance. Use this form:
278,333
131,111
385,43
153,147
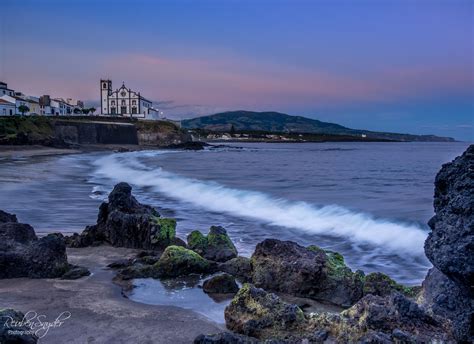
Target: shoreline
99,311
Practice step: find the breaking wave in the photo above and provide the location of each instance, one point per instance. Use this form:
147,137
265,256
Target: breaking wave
332,220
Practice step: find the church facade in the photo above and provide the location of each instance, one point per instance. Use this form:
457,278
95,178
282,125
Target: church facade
123,102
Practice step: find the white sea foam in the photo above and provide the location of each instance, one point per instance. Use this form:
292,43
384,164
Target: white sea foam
331,220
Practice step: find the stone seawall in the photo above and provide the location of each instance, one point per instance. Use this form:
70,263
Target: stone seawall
95,132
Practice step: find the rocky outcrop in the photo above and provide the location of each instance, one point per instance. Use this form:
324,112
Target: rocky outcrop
13,331
178,261
216,246
23,254
220,284
256,313
124,222
450,245
307,272
448,289
239,267
373,319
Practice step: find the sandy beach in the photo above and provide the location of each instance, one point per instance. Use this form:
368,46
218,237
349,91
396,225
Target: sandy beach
99,311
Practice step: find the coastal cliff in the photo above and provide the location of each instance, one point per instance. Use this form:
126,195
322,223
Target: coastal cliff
67,131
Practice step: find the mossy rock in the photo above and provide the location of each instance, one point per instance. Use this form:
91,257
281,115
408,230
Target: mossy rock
178,261
377,283
166,232
216,246
256,313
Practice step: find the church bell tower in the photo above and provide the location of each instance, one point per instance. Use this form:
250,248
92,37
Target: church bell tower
105,91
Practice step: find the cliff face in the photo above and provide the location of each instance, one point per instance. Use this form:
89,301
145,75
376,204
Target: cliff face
160,133
95,132
448,290
62,131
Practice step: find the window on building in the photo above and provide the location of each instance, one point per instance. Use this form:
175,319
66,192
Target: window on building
104,85
134,110
112,110
134,102
112,102
123,102
123,110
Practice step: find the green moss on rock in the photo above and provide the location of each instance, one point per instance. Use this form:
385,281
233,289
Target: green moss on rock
377,283
166,232
216,246
178,261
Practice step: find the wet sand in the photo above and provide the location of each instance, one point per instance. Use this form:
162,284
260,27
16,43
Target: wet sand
99,311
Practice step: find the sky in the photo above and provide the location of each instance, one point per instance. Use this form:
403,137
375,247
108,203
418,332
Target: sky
400,66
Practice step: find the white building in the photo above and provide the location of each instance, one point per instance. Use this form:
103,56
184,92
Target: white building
124,102
4,90
7,108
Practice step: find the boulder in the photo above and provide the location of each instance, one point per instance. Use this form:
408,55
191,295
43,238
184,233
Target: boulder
443,297
285,266
216,246
256,313
6,217
22,254
124,222
448,289
220,284
11,329
239,267
177,261
450,244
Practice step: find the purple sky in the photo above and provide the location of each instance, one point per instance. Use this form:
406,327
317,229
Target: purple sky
404,66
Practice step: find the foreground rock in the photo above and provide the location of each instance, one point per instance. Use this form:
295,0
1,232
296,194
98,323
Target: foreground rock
173,262
285,266
239,267
225,338
448,289
22,254
11,329
220,284
394,318
256,313
124,222
216,246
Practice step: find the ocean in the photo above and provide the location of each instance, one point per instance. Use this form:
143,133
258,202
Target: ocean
368,201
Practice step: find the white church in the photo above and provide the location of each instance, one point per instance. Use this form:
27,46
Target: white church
124,102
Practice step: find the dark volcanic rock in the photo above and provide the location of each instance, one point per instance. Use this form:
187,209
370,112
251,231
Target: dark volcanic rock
373,319
307,272
444,297
225,338
11,331
22,254
239,267
6,217
216,246
179,261
220,284
448,290
124,222
450,245
254,312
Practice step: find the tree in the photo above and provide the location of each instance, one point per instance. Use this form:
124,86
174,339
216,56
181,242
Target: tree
232,130
86,111
23,109
92,110
77,111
